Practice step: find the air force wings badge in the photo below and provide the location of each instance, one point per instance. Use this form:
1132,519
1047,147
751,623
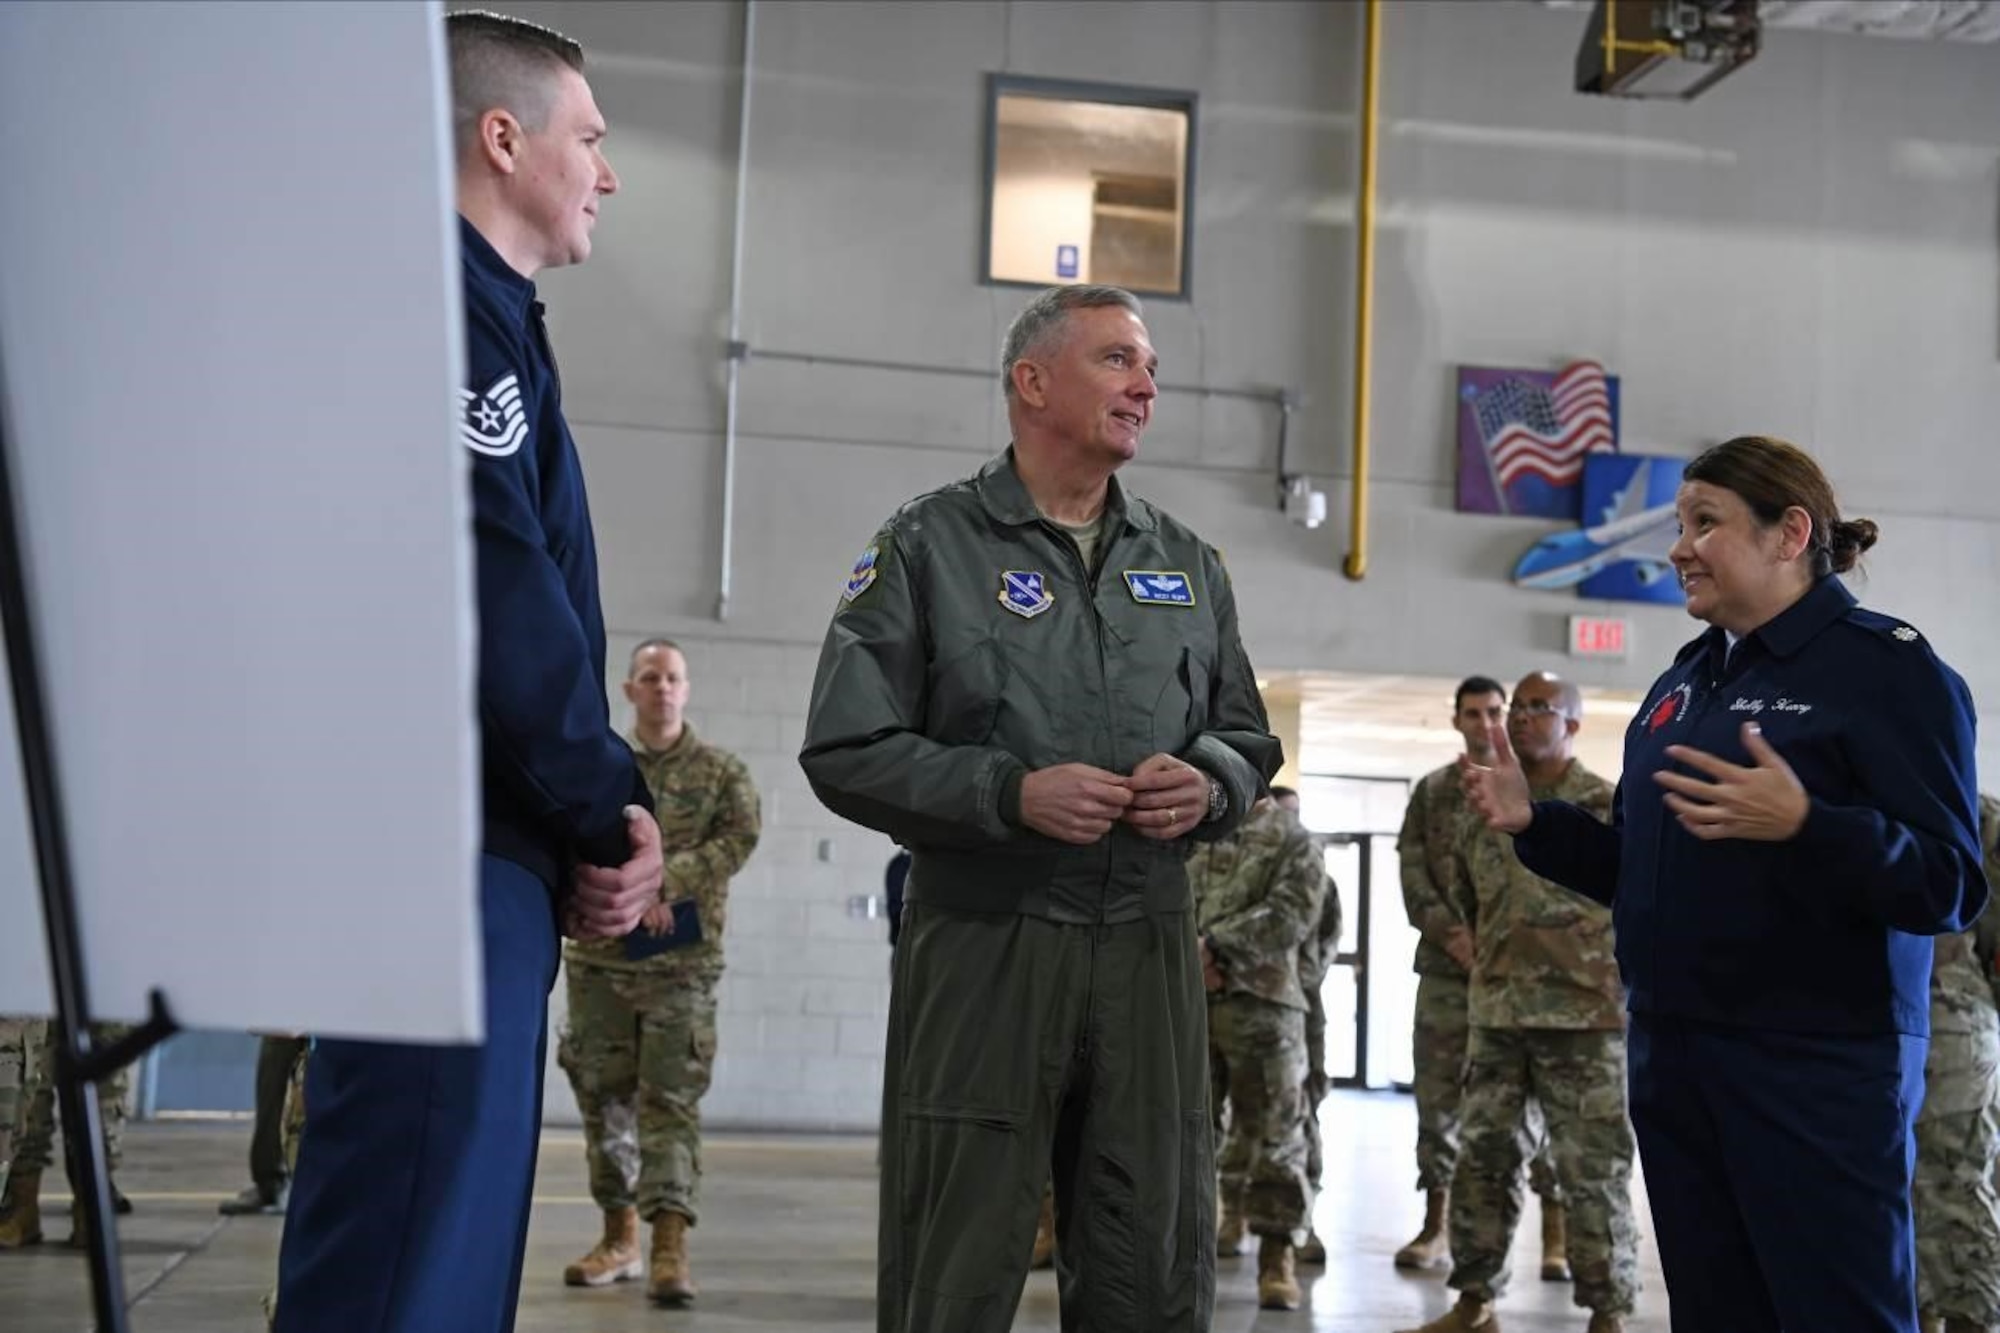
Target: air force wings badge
1159,587
1025,593
493,423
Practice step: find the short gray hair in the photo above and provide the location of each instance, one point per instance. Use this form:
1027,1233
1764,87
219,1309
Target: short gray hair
1040,324
503,62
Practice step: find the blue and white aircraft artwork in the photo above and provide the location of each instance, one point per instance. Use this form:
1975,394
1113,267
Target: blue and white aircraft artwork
1627,531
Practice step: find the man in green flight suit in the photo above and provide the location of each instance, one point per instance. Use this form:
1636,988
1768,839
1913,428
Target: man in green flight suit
1034,681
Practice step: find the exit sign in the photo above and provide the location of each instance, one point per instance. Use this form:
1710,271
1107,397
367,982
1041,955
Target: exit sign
1598,636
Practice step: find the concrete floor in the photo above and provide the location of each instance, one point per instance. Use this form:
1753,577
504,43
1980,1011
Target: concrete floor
787,1245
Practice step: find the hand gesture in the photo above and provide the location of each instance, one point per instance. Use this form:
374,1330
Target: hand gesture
1169,797
1498,793
1764,803
1073,803
606,902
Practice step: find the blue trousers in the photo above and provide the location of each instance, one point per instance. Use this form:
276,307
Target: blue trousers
1778,1165
409,1208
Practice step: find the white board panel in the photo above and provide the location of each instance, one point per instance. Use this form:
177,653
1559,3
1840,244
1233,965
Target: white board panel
230,340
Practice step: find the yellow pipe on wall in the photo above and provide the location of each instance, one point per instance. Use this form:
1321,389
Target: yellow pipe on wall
1356,565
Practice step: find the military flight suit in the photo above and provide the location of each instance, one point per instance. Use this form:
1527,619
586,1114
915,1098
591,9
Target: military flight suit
1958,1128
1257,900
1047,1013
1548,1021
639,1046
1437,900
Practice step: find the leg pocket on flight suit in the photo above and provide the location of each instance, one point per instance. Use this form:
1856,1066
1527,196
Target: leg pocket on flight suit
1196,1250
968,1206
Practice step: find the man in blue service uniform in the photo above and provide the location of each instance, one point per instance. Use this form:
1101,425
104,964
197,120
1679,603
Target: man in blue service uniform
1033,680
409,1209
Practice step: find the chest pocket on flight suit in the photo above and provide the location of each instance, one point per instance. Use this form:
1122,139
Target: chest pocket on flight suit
1180,713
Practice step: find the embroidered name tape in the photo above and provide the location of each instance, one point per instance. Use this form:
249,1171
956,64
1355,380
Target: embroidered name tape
1159,587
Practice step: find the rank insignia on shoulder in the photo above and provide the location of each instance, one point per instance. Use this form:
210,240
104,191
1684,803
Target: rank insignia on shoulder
1159,587
1905,633
1025,592
864,574
493,423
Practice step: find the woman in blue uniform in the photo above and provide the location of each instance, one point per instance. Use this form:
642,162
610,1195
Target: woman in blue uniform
1798,817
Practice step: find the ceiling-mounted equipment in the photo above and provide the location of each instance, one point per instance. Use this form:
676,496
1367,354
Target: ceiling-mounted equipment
1664,48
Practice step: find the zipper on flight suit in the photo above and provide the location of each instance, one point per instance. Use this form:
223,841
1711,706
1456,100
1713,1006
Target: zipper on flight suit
1089,581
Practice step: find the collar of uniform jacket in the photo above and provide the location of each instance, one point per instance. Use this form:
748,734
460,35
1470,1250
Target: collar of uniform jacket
1001,491
1791,629
516,293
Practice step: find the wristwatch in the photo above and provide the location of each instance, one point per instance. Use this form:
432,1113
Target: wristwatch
1218,801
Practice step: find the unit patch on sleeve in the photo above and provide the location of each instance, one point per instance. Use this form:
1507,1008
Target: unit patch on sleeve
862,576
493,423
1025,592
1160,587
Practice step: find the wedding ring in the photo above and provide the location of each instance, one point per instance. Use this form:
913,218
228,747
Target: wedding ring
1173,817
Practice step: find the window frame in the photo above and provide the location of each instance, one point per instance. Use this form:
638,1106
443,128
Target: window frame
999,85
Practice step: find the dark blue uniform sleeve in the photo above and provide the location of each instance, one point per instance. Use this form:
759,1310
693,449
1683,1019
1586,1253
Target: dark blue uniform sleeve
1907,856
1569,845
543,718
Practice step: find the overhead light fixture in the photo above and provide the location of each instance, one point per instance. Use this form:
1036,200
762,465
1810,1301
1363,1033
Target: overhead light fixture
1674,49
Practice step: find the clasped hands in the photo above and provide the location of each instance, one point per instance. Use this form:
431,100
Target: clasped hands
606,902
1161,799
1759,802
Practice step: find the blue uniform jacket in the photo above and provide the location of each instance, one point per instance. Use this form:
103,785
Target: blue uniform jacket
556,777
1828,932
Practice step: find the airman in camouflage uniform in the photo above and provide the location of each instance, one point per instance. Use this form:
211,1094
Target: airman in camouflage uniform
1958,1129
1258,894
1316,957
34,1144
639,1045
13,1081
291,1128
1548,1020
1440,908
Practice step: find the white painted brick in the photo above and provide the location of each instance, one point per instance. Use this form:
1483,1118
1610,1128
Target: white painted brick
738,1034
765,917
774,1073
828,1075
801,662
779,995
863,1036
847,998
805,1034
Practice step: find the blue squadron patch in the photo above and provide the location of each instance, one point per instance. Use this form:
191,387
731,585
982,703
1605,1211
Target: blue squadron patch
1159,587
863,575
1025,593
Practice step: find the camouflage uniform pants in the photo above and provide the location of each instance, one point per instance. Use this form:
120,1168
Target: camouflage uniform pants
639,1049
1440,1043
1957,1210
1317,1086
13,1080
34,1150
291,1128
1257,1064
1579,1078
